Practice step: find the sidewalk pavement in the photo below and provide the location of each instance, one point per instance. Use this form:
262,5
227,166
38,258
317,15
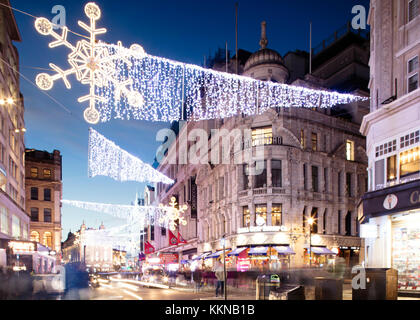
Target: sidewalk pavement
240,295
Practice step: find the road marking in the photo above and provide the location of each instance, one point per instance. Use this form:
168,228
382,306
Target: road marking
128,286
132,294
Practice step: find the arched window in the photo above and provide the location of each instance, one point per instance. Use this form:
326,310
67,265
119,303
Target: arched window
47,241
35,236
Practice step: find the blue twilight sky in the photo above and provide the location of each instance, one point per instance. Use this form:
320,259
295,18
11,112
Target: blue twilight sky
184,30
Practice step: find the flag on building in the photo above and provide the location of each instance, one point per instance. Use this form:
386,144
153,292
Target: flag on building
173,241
180,238
148,248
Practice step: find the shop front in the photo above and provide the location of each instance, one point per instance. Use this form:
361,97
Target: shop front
260,248
253,258
28,256
170,261
321,256
391,226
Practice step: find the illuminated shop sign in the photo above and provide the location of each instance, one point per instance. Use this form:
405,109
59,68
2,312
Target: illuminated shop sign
17,246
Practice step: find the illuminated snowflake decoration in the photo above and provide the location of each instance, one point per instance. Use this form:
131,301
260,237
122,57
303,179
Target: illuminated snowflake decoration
93,63
173,215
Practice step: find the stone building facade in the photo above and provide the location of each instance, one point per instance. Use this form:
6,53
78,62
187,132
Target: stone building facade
390,211
299,163
14,221
44,190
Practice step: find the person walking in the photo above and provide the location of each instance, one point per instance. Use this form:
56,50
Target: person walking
197,277
220,276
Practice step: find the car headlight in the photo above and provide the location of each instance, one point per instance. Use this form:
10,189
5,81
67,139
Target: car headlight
165,279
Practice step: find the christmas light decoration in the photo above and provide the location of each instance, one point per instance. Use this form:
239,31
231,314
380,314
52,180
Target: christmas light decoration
91,63
173,215
137,218
126,83
105,158
165,216
126,236
122,237
131,213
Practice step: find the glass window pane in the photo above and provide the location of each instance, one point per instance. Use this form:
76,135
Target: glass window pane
34,214
413,82
276,174
261,215
15,227
4,221
379,173
47,194
391,168
276,212
34,193
47,215
246,221
410,162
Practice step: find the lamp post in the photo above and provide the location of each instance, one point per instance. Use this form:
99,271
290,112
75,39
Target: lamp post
223,240
310,222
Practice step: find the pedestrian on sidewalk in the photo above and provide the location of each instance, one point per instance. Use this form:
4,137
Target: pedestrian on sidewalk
220,276
197,277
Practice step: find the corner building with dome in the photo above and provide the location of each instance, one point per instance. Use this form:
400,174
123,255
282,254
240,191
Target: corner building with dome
312,163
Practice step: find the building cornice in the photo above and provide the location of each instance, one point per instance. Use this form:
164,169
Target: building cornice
388,110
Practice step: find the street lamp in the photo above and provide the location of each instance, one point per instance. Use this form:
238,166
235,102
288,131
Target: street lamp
310,222
223,241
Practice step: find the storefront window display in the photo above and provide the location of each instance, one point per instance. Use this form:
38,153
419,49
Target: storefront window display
406,250
320,256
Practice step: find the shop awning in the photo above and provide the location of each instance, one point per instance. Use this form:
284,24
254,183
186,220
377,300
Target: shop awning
259,251
236,252
202,256
322,250
215,255
284,250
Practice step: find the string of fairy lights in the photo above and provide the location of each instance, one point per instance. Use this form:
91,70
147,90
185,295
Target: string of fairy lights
127,83
105,158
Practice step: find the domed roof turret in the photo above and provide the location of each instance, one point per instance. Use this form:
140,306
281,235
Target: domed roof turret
264,55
